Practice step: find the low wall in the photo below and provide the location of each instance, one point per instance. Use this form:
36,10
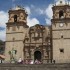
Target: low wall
35,67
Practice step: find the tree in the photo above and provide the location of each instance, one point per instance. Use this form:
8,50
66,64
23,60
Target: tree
1,42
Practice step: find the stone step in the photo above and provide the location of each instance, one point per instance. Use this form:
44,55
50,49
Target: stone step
64,66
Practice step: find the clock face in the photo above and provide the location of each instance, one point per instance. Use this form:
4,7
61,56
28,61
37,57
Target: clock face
61,24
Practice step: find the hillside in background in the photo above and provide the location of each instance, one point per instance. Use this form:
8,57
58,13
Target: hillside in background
2,46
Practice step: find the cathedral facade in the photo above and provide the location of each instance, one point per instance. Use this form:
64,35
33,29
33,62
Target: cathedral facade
46,44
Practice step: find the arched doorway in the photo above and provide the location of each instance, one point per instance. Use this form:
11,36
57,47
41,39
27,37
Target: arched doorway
37,55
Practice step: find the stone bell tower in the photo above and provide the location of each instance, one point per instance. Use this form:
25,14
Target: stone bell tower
61,32
15,33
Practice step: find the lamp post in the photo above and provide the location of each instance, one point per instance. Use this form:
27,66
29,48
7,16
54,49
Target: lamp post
12,54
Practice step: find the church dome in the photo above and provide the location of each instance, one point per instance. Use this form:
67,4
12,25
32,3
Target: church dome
61,2
18,8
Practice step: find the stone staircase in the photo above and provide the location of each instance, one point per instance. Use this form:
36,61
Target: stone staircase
64,66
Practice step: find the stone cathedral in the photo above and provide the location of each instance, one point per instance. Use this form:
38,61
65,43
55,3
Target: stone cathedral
47,44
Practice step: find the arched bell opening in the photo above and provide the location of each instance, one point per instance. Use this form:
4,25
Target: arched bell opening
61,14
15,18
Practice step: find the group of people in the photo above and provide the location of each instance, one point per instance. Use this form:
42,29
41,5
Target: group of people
37,62
20,61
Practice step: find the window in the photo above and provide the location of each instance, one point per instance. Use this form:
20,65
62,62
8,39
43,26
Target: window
61,14
61,50
62,36
15,18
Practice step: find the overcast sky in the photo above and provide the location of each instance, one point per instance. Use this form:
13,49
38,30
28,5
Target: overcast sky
39,12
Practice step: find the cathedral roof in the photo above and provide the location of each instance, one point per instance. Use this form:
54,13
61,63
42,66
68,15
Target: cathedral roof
18,8
61,2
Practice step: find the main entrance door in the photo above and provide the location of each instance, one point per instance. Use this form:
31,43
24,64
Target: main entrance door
37,55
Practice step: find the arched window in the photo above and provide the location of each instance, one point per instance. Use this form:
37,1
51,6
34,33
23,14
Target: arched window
61,14
15,18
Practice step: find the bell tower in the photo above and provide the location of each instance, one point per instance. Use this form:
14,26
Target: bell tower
15,32
61,32
18,15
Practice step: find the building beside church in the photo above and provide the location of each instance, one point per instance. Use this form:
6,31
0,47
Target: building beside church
2,49
47,44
